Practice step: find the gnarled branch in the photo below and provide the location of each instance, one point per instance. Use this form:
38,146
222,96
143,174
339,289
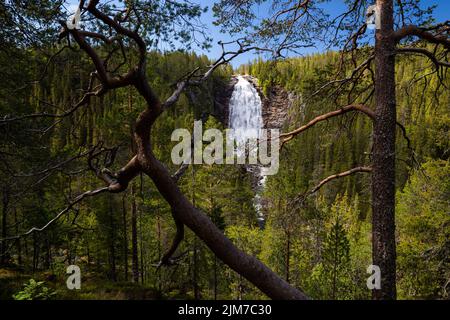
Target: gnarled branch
285,137
302,197
427,53
78,199
339,175
425,34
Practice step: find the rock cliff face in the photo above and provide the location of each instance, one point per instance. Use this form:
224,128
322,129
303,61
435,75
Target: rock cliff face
275,109
222,100
275,105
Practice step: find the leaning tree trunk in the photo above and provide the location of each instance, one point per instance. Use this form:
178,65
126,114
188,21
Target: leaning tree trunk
383,175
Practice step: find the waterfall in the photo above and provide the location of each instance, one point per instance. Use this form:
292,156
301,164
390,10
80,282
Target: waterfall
245,111
245,118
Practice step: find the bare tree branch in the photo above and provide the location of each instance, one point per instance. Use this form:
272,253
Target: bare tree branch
286,137
60,214
83,101
427,53
424,34
339,175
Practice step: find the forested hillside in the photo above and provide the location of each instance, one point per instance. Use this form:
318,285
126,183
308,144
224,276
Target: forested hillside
119,238
323,244
95,94
319,242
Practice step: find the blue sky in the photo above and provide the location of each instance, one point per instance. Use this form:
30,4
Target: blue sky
334,7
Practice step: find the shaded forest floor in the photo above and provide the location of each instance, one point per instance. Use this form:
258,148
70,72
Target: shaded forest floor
93,287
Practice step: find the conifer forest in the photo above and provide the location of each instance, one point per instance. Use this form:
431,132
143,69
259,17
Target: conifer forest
126,155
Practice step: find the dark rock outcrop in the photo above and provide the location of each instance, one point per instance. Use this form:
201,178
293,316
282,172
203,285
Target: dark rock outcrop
222,101
275,105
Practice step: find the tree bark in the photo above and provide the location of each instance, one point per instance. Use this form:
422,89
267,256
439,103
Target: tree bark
35,252
112,249
215,277
288,255
134,239
158,231
195,271
195,247
48,253
19,242
383,176
141,250
5,202
125,237
246,265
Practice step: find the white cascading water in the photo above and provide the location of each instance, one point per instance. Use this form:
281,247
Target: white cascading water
245,111
245,118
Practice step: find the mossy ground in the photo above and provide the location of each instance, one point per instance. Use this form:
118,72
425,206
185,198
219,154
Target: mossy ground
93,287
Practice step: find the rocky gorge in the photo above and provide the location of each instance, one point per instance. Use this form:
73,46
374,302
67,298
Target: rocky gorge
242,104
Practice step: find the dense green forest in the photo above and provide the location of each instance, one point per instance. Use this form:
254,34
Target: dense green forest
321,245
317,238
337,219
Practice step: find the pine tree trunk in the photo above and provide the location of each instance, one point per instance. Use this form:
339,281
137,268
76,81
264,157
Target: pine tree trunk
288,255
195,272
158,228
112,249
195,265
36,252
134,239
19,242
125,237
335,258
215,277
26,253
240,288
141,249
47,253
5,202
134,231
383,175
